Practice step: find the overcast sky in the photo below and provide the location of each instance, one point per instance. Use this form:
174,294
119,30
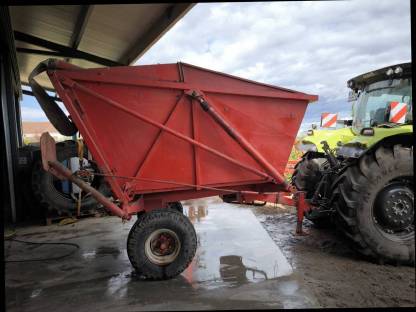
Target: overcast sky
313,47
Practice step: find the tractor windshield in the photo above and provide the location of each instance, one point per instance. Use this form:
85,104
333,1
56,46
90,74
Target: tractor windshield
373,105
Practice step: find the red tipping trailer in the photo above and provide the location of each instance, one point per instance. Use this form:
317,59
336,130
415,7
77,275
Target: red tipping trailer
170,132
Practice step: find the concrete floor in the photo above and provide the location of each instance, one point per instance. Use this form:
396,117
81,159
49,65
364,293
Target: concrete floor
237,266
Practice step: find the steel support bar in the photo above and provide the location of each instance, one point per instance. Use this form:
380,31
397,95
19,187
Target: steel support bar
156,140
80,25
65,172
232,132
155,31
27,92
167,129
89,136
19,36
197,186
43,52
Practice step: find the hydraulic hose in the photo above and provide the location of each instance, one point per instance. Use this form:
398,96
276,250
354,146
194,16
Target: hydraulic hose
54,113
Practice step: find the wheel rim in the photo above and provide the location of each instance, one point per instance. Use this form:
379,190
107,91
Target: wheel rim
394,208
162,247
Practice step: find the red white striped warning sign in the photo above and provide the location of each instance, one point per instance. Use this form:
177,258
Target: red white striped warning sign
328,120
398,112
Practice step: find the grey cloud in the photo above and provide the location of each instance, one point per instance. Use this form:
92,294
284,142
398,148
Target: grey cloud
312,47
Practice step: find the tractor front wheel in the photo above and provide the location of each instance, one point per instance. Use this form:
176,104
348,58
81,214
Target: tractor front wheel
375,206
161,244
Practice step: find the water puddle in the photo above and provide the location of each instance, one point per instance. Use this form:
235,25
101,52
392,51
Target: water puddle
233,248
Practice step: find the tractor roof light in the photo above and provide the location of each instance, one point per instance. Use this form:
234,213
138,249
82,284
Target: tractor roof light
389,72
398,70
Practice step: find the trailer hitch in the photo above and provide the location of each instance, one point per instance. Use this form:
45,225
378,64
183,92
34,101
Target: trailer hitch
302,206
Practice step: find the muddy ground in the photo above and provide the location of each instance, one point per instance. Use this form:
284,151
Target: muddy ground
337,276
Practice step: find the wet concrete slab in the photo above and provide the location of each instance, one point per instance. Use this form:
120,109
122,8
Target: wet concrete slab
233,247
237,266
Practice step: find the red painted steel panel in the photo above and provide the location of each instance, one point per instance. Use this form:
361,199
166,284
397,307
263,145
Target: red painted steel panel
267,117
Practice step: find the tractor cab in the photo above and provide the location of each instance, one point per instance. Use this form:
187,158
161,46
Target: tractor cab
384,98
383,109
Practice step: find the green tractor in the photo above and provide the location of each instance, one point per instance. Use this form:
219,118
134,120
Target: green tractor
313,138
360,178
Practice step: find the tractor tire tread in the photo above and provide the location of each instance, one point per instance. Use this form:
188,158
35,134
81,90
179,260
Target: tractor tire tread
357,185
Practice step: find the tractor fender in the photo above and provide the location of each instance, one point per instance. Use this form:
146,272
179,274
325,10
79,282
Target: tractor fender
405,139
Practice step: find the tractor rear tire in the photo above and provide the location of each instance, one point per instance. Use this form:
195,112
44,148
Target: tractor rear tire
307,174
49,198
305,178
375,206
161,244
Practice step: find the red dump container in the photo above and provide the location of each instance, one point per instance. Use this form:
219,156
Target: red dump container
171,132
165,133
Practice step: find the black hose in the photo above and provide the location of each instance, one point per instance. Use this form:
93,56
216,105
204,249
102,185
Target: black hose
54,113
43,243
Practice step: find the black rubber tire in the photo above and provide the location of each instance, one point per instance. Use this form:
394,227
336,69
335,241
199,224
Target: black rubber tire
357,192
306,177
146,224
50,199
307,174
229,198
52,110
176,206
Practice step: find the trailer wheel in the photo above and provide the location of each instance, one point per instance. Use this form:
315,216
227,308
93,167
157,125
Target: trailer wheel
176,206
375,206
306,177
161,244
46,188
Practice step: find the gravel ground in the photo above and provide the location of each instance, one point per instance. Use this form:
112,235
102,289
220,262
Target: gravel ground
338,276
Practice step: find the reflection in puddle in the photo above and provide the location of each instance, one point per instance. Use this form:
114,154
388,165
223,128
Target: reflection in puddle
234,271
233,248
35,293
289,288
117,285
89,254
198,213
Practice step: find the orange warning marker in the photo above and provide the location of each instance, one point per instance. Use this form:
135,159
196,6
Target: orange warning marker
328,120
398,112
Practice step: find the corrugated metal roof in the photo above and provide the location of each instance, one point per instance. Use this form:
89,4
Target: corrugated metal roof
118,33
